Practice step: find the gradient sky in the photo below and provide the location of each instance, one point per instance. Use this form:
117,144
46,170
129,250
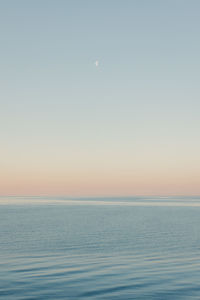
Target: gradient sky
130,126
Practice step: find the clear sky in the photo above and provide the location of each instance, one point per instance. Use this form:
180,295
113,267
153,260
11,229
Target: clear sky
99,97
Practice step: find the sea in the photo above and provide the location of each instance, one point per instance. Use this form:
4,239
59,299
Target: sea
99,248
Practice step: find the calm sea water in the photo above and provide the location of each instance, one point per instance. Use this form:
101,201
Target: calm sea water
124,248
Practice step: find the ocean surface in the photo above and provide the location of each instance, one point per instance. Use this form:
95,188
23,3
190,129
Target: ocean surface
100,248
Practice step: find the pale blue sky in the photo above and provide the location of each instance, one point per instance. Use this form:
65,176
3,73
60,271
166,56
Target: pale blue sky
141,105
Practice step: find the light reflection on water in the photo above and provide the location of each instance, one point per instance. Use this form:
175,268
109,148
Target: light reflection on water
126,201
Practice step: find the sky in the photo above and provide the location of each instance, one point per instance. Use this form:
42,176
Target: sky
99,98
